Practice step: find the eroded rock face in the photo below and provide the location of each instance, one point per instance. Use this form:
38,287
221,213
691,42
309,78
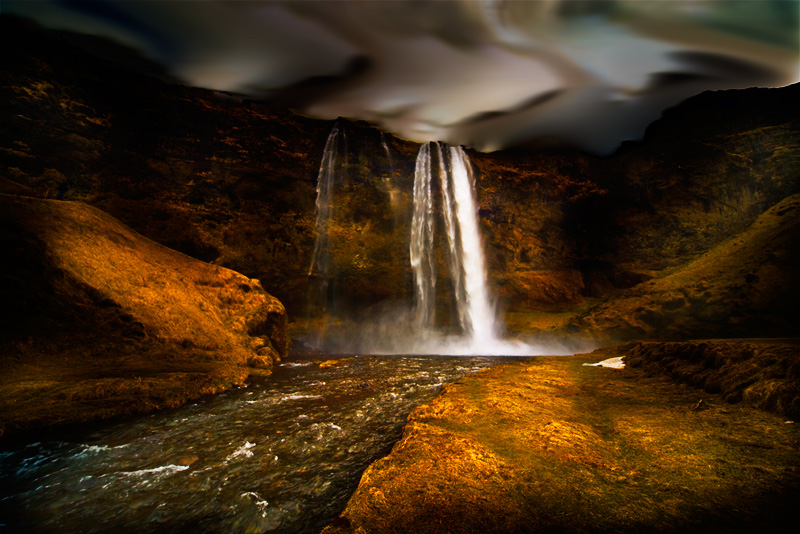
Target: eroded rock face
95,312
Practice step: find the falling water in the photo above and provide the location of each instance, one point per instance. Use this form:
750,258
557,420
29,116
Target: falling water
320,261
453,241
479,330
421,246
392,329
476,314
475,310
386,149
389,183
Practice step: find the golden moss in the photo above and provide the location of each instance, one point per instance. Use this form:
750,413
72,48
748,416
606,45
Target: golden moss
554,446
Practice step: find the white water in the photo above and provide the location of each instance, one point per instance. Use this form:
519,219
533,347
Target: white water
474,307
453,241
473,303
386,149
421,249
282,456
398,328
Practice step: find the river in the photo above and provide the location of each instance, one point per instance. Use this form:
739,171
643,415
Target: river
281,455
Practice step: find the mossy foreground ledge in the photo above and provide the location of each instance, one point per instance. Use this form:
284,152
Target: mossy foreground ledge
99,321
551,445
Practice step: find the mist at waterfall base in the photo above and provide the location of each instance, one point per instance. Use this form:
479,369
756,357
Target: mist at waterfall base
443,197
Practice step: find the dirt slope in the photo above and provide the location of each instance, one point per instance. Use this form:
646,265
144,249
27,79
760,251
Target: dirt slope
100,321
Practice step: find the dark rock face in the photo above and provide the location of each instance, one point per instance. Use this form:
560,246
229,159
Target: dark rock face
234,183
691,184
210,176
745,286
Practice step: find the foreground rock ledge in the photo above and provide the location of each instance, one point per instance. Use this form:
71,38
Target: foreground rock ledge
551,445
99,321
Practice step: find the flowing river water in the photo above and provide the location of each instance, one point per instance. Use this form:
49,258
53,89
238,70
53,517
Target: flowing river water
281,455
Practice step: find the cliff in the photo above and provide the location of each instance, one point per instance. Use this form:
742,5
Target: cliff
233,182
745,286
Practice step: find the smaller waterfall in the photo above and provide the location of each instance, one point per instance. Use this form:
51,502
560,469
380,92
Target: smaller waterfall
386,149
322,293
320,261
389,182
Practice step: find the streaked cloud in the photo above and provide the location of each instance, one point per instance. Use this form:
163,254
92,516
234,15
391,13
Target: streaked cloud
484,73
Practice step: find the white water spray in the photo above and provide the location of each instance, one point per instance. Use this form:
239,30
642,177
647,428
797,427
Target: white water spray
453,241
473,303
394,330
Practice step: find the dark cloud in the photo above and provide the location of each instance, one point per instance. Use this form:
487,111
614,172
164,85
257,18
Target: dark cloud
486,73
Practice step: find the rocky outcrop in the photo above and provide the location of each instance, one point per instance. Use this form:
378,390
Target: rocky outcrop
204,173
553,445
99,321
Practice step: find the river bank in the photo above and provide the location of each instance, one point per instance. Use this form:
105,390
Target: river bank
554,445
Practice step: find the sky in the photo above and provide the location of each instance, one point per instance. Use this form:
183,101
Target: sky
483,73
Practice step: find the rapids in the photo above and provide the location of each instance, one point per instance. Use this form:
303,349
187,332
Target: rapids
281,455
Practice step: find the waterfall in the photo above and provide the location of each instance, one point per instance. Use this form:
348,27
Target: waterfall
320,260
396,327
475,309
321,295
453,241
386,149
476,314
421,247
389,183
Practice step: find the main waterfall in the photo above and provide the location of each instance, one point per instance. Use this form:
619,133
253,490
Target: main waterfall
465,261
476,312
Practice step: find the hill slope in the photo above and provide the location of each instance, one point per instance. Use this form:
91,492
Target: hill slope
99,321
